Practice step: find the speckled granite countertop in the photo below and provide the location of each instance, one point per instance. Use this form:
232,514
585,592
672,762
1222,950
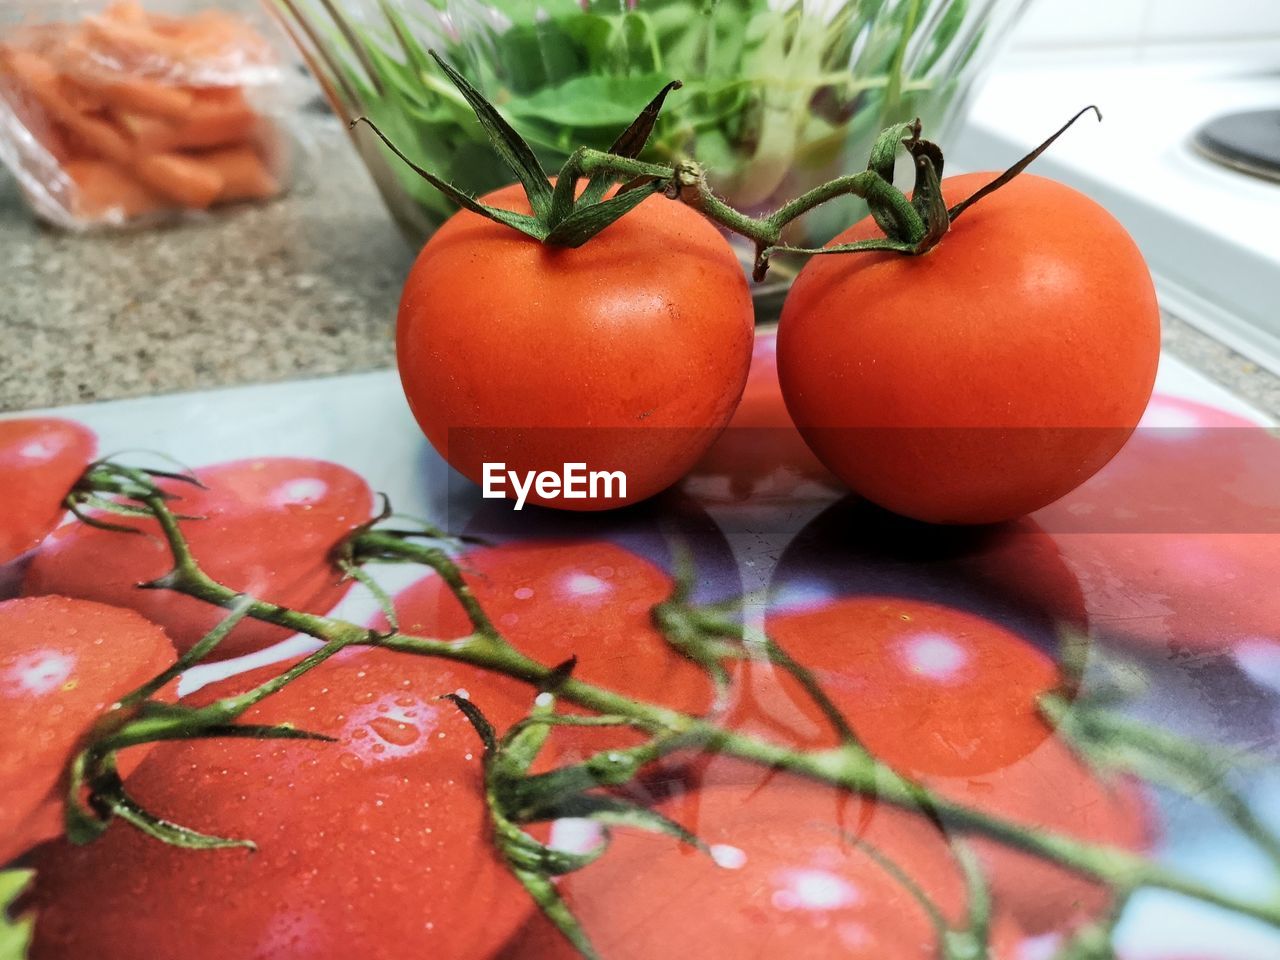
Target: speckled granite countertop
304,287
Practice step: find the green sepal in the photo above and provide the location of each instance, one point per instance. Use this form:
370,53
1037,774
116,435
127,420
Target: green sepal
122,805
588,220
543,892
530,226
520,748
511,147
81,824
15,929
477,720
927,198
884,150
630,142
523,852
357,573
1018,167
616,812
255,731
859,246
883,161
206,645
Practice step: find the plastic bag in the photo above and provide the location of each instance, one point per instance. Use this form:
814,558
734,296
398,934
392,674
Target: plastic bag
136,112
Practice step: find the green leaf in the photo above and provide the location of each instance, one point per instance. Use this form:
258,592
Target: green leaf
15,931
590,101
517,154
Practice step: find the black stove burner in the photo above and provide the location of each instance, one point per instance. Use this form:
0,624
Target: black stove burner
1249,142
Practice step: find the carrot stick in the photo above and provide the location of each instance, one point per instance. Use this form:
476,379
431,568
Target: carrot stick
217,118
149,134
42,81
184,180
244,175
104,190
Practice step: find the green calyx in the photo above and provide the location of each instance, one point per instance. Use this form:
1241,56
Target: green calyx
516,798
560,216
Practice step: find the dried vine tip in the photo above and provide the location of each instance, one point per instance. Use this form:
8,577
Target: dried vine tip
1022,164
561,215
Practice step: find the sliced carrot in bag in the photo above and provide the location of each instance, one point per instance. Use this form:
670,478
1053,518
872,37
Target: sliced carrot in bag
217,118
182,179
39,77
103,191
244,174
149,134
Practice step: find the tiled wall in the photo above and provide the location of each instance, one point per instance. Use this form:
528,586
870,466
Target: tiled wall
1142,22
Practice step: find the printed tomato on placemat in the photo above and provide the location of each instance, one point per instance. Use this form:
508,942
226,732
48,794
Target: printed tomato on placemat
264,526
377,840
63,663
40,459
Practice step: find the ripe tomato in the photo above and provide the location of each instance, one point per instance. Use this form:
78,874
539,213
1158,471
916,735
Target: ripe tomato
760,455
374,846
39,461
951,700
784,879
266,528
986,378
948,694
1176,542
554,601
63,663
628,353
929,689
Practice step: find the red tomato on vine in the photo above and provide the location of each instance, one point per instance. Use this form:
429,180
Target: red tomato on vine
63,664
263,526
934,643
553,601
375,846
628,353
40,459
986,378
929,689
